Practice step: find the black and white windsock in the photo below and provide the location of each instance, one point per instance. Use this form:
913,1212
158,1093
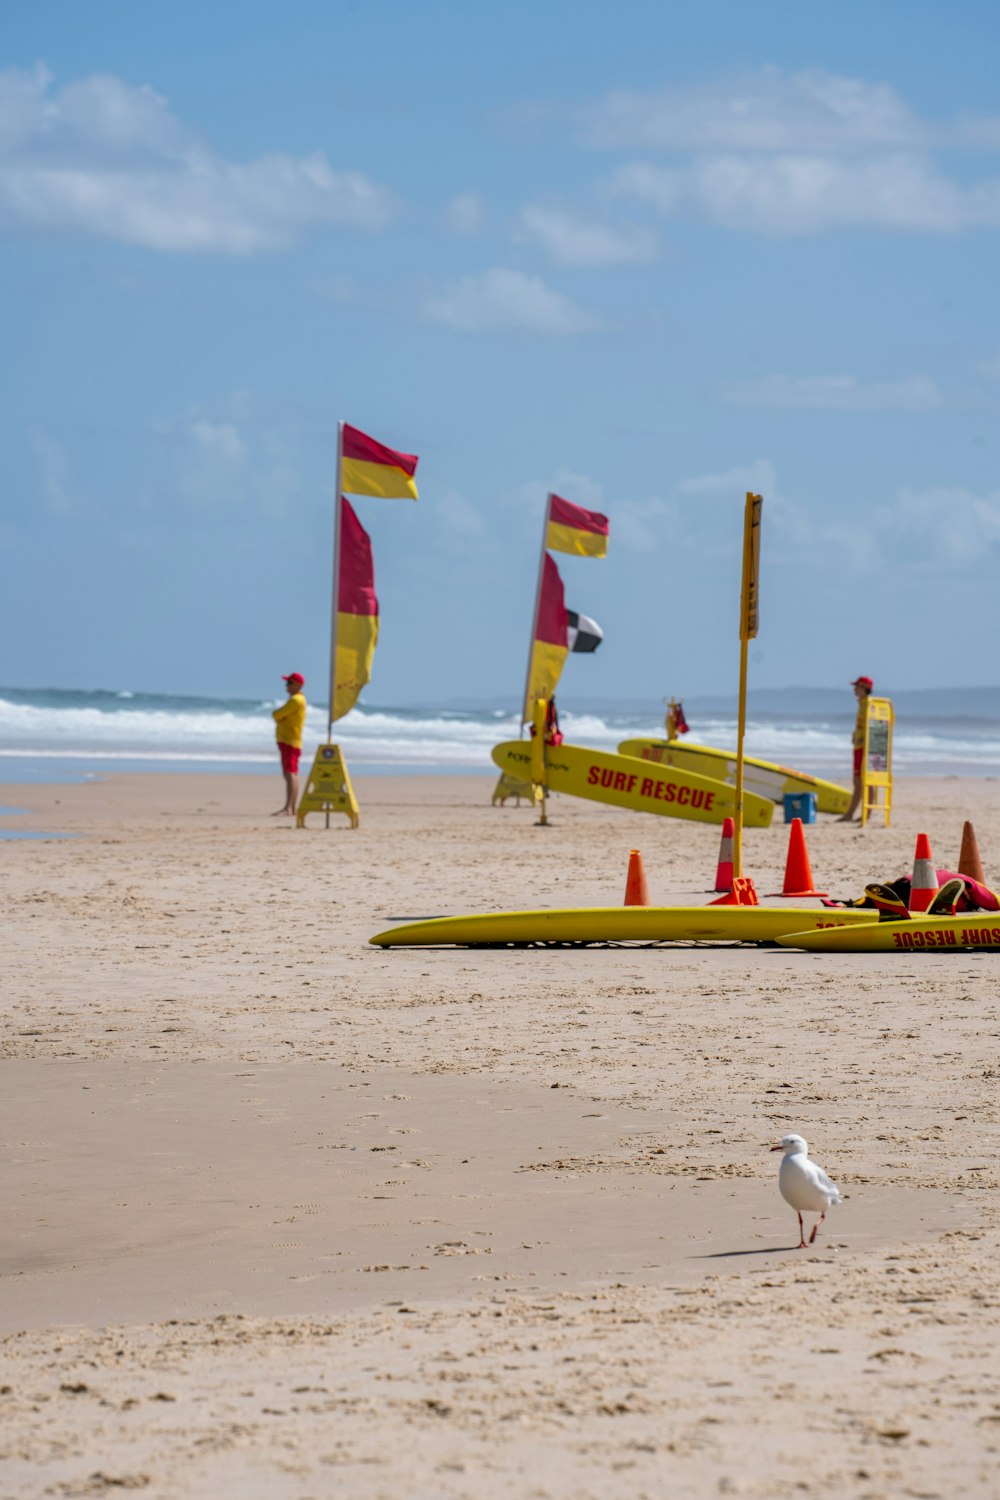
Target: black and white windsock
582,633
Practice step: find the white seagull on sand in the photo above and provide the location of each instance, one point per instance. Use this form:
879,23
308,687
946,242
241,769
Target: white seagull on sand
804,1185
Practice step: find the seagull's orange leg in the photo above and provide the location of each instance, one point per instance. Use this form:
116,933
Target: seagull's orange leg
812,1237
802,1235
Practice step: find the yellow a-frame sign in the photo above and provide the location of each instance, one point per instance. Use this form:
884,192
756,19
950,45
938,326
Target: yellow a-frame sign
876,759
328,788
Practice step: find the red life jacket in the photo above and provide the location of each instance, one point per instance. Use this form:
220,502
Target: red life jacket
977,896
553,734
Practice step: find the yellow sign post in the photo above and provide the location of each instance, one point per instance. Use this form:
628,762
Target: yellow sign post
876,759
539,723
328,788
749,608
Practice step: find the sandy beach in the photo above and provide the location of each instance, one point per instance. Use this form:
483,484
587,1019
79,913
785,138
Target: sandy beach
289,1215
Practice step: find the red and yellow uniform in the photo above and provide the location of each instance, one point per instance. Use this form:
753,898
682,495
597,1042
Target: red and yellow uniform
858,738
290,720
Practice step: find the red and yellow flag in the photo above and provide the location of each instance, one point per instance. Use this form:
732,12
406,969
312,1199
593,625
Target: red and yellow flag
550,646
357,613
583,533
370,468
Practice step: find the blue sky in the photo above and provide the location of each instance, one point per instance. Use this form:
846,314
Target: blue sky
647,256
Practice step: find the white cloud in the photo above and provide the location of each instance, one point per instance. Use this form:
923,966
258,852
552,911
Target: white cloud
632,523
570,240
933,527
838,393
759,477
797,194
923,531
465,213
791,153
500,300
106,158
789,524
764,111
221,438
236,458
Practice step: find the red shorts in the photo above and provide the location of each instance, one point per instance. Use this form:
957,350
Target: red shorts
289,758
858,755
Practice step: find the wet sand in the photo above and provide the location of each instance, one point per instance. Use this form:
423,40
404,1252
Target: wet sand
290,1215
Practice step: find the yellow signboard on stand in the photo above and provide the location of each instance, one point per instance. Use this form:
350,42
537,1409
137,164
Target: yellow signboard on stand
516,787
328,788
876,759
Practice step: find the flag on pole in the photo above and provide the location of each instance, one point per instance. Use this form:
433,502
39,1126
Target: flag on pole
583,633
583,533
550,646
370,468
357,613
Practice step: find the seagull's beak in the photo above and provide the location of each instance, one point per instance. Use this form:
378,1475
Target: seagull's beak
776,1148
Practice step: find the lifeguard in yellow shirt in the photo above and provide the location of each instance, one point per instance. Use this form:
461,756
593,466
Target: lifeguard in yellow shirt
289,722
862,691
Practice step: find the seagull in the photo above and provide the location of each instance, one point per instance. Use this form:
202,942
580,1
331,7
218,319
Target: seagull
804,1185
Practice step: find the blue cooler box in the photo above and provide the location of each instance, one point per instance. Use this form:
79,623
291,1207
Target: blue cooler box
800,805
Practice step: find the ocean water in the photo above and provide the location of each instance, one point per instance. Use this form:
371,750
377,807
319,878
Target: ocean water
56,734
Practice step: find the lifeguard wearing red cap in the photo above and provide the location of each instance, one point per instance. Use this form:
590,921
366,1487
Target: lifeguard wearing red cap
294,677
867,682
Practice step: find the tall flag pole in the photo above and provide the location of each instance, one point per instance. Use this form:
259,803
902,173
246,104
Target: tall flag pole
335,591
572,529
364,467
550,646
749,618
526,707
357,612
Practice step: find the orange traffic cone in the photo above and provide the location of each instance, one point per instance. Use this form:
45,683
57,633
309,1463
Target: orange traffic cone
636,889
724,869
743,893
798,871
969,862
923,886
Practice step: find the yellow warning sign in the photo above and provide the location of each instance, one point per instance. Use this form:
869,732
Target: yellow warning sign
514,786
328,788
876,760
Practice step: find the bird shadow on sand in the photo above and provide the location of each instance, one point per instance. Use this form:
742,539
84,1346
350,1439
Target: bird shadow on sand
764,1250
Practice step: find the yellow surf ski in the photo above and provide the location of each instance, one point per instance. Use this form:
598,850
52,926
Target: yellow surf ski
624,781
919,934
618,924
761,776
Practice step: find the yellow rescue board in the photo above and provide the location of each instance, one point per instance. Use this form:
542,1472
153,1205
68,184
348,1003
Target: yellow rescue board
761,776
624,781
618,924
919,934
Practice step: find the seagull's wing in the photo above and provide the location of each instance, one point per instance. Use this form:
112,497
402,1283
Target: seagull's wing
824,1182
